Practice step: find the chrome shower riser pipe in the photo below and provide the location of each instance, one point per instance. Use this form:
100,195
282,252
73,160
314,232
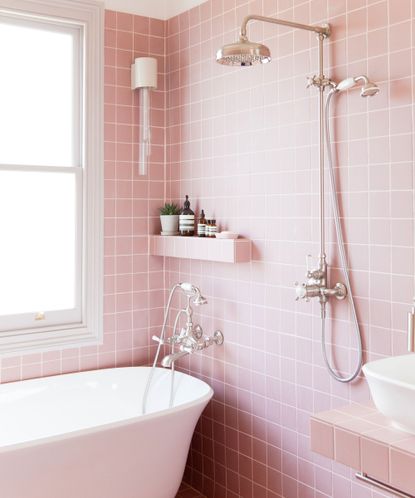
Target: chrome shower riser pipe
321,152
246,53
320,81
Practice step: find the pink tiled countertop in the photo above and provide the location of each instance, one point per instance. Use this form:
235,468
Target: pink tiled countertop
362,438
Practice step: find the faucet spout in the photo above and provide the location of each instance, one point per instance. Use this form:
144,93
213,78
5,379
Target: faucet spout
168,360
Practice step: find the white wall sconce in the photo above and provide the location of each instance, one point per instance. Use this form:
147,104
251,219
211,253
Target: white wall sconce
144,78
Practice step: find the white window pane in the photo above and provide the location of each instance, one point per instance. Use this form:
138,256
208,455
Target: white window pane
39,94
38,248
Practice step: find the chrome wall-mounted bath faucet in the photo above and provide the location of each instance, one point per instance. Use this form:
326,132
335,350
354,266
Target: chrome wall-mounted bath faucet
191,337
189,348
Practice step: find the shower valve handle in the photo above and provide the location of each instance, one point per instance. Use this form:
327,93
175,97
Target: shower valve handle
163,342
300,291
306,291
310,81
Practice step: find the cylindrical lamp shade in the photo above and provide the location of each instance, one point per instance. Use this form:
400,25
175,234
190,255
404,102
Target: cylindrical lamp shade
144,73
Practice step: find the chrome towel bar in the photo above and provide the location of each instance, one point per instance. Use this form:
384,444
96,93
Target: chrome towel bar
365,478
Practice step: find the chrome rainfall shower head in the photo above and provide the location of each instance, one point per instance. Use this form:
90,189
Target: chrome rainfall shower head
247,53
243,53
368,88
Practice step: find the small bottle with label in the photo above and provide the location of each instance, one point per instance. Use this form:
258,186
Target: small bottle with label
213,229
207,231
187,219
201,226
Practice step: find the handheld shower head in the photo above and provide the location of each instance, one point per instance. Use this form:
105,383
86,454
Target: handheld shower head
192,291
187,288
345,84
243,53
368,88
199,300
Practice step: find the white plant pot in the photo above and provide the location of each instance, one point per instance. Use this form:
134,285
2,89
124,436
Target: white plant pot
169,224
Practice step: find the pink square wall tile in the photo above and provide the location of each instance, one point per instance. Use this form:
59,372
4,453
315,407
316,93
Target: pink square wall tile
375,459
402,471
322,438
347,448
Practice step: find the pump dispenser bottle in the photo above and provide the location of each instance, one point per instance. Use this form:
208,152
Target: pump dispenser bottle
187,220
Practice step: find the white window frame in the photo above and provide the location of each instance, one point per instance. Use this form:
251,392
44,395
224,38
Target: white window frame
85,328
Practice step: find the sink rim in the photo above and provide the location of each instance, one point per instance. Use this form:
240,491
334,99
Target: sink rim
370,370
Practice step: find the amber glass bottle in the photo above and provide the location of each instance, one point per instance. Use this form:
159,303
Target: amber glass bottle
187,219
213,229
207,230
201,226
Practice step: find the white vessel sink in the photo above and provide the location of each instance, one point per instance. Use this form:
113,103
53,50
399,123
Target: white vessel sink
392,385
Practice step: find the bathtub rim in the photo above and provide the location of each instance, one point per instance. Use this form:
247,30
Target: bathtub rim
110,425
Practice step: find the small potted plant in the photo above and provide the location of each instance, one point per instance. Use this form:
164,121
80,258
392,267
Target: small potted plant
169,217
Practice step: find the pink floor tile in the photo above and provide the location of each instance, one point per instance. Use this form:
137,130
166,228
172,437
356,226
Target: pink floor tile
187,491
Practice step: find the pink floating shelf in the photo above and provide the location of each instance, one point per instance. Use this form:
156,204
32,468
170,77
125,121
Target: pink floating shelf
222,250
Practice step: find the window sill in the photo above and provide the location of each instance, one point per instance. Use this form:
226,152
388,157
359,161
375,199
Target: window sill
35,341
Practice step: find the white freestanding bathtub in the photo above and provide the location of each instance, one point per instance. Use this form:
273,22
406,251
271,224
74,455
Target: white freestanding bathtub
83,435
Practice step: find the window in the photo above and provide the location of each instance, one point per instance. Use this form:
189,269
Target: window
51,174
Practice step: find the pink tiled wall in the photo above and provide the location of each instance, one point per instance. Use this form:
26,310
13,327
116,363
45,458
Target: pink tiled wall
242,142
133,280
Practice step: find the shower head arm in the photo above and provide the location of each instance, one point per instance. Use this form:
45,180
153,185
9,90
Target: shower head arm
323,29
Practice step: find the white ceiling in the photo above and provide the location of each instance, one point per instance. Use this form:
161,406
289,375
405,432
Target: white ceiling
159,9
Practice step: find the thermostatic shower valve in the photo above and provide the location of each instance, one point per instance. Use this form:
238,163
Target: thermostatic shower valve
316,285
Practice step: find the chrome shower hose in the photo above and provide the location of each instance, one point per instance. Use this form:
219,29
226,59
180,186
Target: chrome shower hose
343,260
